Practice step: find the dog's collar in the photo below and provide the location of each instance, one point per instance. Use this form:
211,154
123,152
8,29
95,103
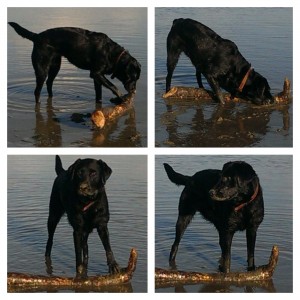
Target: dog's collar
243,82
119,57
253,197
117,62
86,207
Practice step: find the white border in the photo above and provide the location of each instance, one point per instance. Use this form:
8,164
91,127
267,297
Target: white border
151,151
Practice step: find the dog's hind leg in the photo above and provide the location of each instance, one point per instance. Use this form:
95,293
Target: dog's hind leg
53,71
173,52
41,64
182,222
98,90
199,78
56,211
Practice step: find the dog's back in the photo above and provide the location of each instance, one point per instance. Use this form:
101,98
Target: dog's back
192,30
195,195
204,179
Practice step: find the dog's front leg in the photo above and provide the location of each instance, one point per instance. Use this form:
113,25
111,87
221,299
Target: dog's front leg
85,250
98,90
102,80
251,239
225,240
113,267
81,270
216,89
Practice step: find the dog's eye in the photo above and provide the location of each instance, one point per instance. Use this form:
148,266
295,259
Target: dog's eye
227,180
80,173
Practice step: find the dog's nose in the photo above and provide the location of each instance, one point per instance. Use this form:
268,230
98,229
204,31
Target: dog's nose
212,193
84,186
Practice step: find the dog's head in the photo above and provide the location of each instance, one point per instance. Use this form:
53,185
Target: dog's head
128,71
257,89
88,176
238,182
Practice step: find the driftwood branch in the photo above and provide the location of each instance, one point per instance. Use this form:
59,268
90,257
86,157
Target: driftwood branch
21,281
181,92
261,273
102,116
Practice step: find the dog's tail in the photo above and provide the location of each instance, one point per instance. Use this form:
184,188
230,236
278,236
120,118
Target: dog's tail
58,165
23,32
175,177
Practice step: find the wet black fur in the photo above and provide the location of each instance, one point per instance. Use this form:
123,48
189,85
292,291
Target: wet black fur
217,59
80,193
216,194
93,51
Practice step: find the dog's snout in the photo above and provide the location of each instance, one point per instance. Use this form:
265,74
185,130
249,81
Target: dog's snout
212,193
84,186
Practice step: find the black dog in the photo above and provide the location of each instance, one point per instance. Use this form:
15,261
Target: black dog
85,49
80,193
231,199
218,59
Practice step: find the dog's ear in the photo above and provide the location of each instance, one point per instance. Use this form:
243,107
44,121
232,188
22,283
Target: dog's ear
247,177
72,168
105,171
226,165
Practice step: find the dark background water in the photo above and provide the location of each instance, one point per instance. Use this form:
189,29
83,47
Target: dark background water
50,124
30,180
264,37
199,248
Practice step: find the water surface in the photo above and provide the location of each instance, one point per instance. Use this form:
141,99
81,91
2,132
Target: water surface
30,180
199,248
50,123
264,37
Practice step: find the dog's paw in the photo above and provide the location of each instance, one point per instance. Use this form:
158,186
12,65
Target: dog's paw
48,263
81,272
117,100
222,267
252,268
113,268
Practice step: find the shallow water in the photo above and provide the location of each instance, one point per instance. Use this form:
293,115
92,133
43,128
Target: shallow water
264,37
30,180
49,124
199,248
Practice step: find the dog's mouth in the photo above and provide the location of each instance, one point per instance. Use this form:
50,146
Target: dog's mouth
88,194
130,86
86,191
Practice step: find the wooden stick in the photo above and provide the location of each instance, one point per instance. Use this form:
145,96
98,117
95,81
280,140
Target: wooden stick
182,92
261,273
100,117
15,281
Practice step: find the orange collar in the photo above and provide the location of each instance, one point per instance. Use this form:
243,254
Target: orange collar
85,208
117,62
253,197
119,57
240,88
